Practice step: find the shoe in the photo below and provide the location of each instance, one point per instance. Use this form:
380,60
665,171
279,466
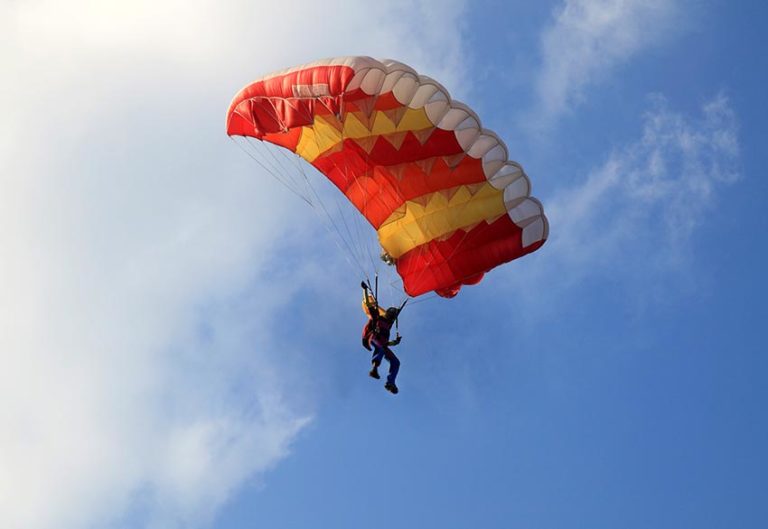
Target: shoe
374,373
391,388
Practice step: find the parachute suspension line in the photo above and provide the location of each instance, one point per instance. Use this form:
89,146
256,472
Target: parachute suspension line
250,146
356,232
338,236
264,152
358,178
329,223
267,169
288,172
354,241
291,175
352,221
423,299
305,178
369,174
293,159
359,224
263,161
390,271
371,169
358,221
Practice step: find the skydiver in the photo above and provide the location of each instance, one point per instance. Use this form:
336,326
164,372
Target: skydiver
376,338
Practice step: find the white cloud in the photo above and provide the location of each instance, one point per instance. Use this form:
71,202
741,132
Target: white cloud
590,38
139,378
636,213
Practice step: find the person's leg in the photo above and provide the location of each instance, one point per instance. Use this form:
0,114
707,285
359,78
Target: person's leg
378,354
394,366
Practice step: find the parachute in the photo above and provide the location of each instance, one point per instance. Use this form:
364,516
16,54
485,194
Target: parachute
445,200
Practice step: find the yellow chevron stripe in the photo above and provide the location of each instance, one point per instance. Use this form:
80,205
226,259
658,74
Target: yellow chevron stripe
325,134
354,128
414,119
437,215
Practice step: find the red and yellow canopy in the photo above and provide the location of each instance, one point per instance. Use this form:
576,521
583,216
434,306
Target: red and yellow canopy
447,203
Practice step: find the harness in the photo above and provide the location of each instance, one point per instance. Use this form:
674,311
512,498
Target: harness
378,326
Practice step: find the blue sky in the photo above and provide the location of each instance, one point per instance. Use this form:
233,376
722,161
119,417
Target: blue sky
180,338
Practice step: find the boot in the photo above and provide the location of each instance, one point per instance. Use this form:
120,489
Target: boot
390,386
374,372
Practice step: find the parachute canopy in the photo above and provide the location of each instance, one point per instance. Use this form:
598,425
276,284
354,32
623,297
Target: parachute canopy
447,203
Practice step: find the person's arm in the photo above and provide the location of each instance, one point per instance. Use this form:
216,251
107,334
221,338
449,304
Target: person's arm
373,307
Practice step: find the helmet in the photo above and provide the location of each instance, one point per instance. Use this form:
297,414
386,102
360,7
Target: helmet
392,313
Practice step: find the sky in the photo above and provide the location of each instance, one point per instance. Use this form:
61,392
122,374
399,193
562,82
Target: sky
179,335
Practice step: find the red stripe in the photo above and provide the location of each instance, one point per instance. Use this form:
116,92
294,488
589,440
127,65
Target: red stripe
258,108
444,266
379,183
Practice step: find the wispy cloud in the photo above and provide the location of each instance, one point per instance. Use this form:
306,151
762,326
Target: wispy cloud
137,299
587,41
637,211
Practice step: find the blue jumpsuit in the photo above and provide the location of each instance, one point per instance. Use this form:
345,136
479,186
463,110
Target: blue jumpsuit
380,342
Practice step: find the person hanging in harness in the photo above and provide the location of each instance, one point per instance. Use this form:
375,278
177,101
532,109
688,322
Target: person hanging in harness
376,337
